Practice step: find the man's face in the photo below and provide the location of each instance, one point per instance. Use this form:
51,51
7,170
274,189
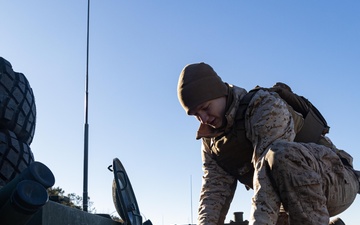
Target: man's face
211,113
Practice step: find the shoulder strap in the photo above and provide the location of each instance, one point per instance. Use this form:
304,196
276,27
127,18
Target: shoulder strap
244,103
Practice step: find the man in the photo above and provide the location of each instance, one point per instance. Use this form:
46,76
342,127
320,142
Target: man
255,145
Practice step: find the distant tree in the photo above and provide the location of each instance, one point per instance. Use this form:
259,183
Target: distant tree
72,200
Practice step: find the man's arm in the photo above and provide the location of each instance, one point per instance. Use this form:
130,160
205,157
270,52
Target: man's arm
217,192
268,120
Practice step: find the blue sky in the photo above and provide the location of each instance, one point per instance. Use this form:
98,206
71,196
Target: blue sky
137,50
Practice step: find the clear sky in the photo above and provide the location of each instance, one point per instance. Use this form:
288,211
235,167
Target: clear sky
137,50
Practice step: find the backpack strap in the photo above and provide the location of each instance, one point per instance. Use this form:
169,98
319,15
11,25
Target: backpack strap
244,103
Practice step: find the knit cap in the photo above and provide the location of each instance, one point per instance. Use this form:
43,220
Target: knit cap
197,84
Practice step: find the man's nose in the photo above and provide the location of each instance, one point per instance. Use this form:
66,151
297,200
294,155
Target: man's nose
203,118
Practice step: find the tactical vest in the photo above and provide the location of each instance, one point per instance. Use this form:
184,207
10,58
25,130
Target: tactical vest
233,151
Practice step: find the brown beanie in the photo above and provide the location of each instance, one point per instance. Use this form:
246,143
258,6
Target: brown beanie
197,84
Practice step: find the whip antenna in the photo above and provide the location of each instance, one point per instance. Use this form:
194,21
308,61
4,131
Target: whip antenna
86,128
191,205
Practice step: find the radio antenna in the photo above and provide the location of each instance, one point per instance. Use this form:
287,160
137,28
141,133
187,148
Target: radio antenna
86,128
191,205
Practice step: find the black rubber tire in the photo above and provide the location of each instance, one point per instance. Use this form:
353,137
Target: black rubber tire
17,103
15,156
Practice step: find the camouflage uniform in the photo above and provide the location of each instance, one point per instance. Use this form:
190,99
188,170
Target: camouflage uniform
309,180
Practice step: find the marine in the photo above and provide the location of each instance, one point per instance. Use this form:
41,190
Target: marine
255,145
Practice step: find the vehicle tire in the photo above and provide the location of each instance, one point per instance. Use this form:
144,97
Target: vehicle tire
15,156
17,103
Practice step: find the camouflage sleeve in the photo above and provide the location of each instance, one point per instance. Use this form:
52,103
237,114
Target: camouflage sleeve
268,119
217,192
